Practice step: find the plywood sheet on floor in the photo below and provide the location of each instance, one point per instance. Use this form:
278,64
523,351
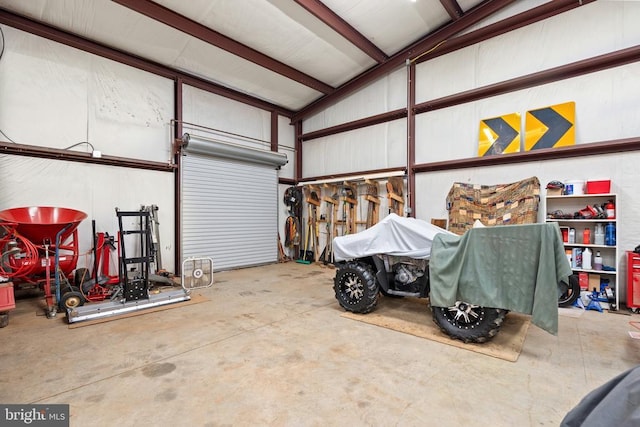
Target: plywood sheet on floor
413,316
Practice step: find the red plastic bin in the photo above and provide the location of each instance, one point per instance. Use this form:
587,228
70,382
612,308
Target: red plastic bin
7,300
598,187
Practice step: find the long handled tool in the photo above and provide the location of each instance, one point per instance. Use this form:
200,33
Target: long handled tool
332,205
314,201
303,254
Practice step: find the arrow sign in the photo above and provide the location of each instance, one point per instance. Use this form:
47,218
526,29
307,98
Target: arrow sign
499,135
550,127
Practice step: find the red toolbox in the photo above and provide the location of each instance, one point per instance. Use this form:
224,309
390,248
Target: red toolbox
633,280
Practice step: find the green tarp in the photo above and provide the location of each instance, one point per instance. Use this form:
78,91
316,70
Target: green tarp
515,267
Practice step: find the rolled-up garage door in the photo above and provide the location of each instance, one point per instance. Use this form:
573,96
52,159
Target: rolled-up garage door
230,206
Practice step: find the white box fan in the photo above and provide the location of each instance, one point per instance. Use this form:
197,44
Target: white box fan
197,273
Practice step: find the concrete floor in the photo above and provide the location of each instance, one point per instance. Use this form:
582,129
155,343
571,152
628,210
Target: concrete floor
270,348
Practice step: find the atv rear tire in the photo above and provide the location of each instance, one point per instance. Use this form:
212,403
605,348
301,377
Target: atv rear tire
568,293
356,287
469,323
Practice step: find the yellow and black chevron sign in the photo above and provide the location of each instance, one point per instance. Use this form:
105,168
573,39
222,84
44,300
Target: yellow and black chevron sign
550,127
499,135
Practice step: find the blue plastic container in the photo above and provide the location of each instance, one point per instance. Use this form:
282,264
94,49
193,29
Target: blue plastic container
610,234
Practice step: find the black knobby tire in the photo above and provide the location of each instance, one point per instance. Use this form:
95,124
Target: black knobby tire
356,287
4,320
568,293
70,298
469,323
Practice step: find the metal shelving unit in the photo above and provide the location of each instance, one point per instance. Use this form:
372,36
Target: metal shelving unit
610,254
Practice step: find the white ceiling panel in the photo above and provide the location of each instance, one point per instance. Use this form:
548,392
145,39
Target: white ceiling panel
214,64
284,31
299,50
392,24
108,23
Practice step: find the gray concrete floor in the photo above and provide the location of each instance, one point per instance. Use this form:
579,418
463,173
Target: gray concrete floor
269,347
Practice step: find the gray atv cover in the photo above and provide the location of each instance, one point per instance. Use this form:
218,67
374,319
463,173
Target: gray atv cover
394,235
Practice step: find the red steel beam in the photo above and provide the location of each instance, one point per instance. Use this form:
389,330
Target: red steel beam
188,26
298,150
356,124
78,156
177,179
411,140
580,150
274,131
453,8
339,25
520,20
585,66
63,37
475,15
350,174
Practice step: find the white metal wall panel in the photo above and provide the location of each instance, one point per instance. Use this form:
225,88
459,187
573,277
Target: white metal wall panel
374,147
94,189
286,145
56,96
386,94
602,113
209,112
595,29
229,212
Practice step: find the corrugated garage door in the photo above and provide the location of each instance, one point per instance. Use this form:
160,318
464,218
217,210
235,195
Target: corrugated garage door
229,211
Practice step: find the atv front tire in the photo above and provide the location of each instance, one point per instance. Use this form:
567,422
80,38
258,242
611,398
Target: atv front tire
356,287
469,323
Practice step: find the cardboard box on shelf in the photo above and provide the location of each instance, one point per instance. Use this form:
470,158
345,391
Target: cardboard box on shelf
594,281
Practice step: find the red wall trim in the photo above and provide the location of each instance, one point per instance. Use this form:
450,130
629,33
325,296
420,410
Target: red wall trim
588,149
76,156
60,36
344,175
574,69
357,124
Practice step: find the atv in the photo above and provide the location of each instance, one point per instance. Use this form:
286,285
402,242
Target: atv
392,258
359,282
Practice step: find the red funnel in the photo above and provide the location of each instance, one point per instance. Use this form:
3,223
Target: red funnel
38,223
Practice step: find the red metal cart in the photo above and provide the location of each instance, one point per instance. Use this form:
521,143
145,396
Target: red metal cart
40,244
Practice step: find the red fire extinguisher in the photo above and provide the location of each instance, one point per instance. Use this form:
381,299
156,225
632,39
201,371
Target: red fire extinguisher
610,209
